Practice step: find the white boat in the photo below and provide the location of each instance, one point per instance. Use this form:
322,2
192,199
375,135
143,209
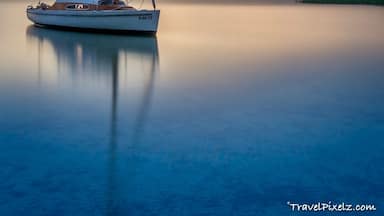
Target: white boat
95,15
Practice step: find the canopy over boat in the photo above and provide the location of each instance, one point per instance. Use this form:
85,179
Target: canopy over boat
78,1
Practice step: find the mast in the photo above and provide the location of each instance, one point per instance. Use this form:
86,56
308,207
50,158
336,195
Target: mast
154,4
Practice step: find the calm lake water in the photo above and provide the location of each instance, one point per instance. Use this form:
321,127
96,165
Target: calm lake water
230,110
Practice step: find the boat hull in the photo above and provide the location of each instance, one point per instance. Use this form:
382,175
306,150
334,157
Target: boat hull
105,20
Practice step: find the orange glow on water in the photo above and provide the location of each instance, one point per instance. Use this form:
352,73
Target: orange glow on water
197,40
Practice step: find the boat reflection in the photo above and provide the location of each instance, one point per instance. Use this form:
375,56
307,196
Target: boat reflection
93,55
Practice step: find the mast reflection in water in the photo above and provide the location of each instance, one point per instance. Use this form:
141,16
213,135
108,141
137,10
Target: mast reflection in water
93,55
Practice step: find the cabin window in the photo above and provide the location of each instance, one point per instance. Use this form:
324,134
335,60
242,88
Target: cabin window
77,7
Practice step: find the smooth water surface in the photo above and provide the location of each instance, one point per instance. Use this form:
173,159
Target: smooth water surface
230,110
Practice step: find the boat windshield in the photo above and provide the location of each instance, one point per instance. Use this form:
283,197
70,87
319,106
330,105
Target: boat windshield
111,2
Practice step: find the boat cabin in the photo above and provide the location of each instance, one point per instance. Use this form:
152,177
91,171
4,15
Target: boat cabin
84,5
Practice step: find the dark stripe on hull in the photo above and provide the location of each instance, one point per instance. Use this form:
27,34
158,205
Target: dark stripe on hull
92,30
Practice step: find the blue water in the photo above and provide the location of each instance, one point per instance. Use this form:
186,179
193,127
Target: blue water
198,120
